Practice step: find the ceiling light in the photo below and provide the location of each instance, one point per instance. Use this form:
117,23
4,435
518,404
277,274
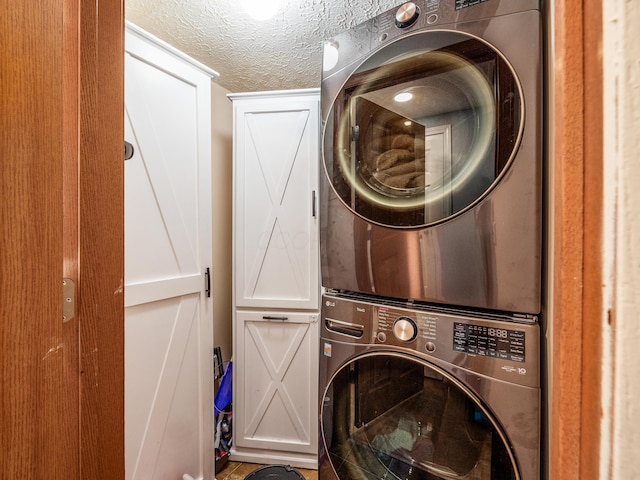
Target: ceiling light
260,9
403,97
330,56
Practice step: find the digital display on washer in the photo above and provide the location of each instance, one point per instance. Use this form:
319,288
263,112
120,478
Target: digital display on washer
489,341
467,3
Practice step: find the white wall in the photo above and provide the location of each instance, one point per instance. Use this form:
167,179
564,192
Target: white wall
222,164
621,375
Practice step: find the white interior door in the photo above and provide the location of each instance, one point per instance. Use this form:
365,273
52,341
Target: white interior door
438,172
276,169
168,314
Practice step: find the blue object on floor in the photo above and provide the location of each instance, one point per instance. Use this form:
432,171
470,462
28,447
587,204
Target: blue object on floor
223,397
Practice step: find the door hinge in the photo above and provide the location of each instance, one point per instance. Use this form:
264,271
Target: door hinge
207,282
68,299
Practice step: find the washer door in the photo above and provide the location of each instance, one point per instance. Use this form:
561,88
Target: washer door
396,417
423,129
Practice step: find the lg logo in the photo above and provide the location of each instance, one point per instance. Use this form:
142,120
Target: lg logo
519,370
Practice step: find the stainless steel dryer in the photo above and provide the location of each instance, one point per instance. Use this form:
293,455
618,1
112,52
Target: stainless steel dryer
424,394
432,148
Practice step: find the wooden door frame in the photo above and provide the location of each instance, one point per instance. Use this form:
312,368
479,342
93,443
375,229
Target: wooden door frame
93,183
576,218
100,305
577,239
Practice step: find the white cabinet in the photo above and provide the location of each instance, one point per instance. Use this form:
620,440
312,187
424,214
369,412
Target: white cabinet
168,224
276,149
276,277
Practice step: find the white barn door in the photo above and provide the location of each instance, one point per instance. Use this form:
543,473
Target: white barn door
168,312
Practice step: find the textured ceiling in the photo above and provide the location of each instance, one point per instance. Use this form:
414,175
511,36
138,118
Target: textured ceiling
278,54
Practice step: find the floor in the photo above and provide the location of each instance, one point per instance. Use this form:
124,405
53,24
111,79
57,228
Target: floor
238,471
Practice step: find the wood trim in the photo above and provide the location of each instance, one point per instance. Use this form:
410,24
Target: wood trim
101,239
593,241
568,177
70,153
577,218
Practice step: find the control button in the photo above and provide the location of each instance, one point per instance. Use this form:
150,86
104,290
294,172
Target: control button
430,347
405,329
407,15
431,19
382,337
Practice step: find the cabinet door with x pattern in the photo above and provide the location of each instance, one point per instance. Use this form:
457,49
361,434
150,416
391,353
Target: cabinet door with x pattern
276,149
276,353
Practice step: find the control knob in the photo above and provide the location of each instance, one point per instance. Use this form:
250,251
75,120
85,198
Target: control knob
405,329
407,15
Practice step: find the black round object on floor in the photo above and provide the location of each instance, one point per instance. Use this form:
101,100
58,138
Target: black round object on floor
275,472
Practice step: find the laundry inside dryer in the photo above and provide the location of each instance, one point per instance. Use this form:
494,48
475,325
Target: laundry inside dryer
387,417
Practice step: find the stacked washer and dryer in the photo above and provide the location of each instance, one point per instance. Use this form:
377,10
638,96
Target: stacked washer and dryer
431,244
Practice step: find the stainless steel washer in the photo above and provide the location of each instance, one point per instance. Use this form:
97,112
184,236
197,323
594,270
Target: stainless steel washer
429,394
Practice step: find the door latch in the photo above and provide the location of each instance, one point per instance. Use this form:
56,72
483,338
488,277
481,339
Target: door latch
68,299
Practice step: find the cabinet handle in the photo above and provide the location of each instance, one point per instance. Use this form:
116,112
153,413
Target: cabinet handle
128,151
207,282
275,317
313,204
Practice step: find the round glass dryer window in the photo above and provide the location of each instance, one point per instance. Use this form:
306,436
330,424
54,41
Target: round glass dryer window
387,416
423,129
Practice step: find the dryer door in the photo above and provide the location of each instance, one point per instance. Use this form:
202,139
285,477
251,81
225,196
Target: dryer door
394,416
423,129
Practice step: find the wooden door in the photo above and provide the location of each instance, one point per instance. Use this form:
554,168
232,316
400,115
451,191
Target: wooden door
168,225
276,392
61,176
32,351
276,166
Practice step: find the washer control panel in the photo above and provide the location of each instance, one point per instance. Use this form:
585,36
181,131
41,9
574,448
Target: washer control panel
503,346
395,326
